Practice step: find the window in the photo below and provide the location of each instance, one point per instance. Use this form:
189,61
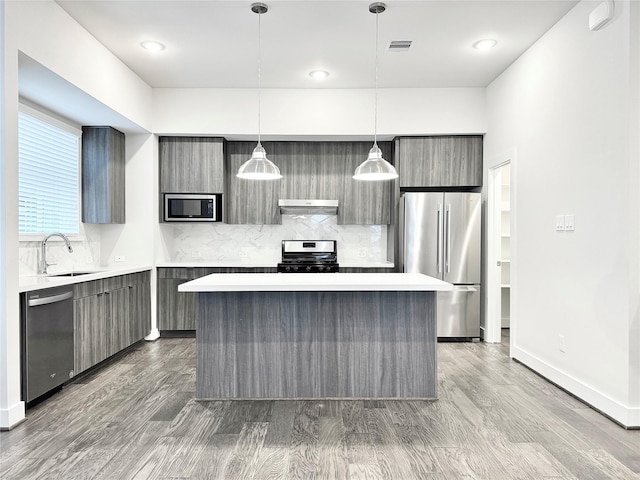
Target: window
49,163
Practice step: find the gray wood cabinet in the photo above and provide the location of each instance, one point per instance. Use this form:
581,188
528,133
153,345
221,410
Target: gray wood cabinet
439,161
109,315
116,316
177,310
311,170
250,201
89,332
103,175
139,324
191,165
345,344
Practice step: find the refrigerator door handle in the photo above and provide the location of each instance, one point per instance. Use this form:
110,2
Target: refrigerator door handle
447,233
439,239
465,288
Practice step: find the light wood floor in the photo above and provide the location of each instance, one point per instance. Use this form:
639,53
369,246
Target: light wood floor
136,419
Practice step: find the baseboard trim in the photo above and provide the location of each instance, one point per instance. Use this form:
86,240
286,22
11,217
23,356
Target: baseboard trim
12,416
153,335
625,416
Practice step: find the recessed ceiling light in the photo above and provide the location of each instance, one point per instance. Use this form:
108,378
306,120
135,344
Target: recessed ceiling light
319,74
486,44
152,46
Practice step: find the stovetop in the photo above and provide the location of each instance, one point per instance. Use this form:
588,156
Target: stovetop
309,256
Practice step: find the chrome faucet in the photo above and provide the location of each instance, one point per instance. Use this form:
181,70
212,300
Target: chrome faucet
43,251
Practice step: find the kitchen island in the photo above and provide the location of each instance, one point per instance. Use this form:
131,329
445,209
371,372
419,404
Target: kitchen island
323,335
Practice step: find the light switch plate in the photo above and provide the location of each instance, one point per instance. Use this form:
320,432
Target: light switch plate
570,222
559,223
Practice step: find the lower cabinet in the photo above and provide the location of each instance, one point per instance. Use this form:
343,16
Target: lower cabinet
89,331
139,324
109,315
177,310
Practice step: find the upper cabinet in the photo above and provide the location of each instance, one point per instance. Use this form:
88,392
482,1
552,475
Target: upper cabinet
440,161
250,201
191,165
103,175
310,170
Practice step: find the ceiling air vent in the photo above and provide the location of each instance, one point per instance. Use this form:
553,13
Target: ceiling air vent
399,46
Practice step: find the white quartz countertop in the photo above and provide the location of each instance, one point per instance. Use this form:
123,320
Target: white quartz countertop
239,264
37,282
304,282
215,264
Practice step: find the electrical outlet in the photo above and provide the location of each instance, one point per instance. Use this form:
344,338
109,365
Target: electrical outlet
88,259
195,254
570,222
562,345
242,253
119,258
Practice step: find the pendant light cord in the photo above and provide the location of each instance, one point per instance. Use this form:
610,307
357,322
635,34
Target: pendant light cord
375,106
259,71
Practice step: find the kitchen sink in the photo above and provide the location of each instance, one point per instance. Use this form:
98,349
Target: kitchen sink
70,274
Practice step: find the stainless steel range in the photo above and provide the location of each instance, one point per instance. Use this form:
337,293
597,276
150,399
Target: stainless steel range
312,256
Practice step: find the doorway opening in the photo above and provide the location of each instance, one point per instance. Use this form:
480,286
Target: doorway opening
499,253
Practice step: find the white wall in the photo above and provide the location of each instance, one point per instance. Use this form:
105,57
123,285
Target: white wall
134,239
634,331
315,114
11,408
48,35
566,106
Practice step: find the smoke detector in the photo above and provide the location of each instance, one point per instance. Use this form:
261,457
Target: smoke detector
399,46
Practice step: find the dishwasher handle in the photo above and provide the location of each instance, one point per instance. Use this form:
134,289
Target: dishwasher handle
35,302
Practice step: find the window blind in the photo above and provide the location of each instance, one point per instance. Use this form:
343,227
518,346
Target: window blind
48,191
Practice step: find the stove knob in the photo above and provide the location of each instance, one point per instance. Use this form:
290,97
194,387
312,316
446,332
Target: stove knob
328,268
308,268
320,268
287,268
295,268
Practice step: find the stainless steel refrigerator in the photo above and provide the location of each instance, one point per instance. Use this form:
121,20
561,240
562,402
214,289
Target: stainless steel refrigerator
440,237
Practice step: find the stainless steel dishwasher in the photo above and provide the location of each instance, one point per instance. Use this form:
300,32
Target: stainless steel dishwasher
47,340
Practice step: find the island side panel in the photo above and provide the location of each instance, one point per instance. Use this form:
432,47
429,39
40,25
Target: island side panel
316,344
216,345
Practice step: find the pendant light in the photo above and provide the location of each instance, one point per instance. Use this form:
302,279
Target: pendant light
259,167
375,167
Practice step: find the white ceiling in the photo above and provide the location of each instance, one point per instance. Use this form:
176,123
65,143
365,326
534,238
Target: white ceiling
215,43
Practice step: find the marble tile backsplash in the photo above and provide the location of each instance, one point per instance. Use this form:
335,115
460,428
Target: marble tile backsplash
219,242
251,244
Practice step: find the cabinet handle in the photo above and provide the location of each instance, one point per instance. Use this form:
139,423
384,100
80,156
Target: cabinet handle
107,293
447,232
438,239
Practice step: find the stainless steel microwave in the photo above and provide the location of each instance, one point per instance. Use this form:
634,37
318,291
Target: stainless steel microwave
192,207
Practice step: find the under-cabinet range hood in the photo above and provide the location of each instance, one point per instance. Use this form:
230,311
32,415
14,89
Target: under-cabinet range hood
308,207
